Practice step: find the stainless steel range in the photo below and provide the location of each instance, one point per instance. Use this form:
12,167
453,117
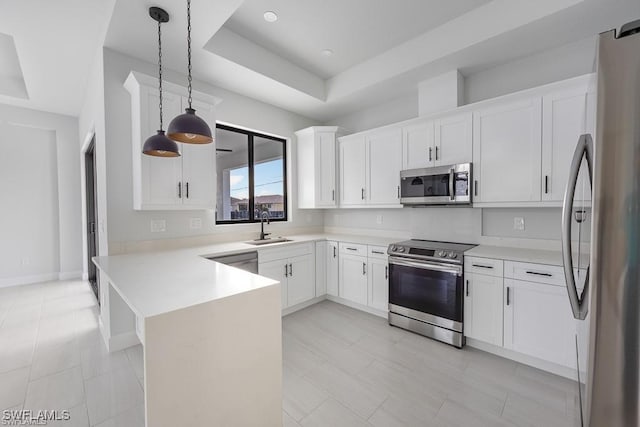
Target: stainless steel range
426,288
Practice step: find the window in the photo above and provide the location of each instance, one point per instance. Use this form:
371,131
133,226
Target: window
252,176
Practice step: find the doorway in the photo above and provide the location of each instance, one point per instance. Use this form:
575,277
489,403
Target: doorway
92,215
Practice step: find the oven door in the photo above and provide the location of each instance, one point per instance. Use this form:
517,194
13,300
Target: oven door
426,291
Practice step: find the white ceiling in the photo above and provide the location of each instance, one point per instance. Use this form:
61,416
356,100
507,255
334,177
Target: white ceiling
355,30
55,42
382,50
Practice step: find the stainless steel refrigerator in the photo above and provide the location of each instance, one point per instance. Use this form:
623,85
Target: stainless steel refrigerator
608,309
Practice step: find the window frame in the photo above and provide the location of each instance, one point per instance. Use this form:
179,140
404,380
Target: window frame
250,166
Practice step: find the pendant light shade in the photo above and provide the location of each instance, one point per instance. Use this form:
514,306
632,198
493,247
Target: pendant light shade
187,127
159,145
190,129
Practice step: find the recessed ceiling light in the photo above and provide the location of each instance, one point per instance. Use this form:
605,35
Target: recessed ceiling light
270,16
327,52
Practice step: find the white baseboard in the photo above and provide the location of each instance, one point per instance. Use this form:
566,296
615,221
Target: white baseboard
70,275
27,280
544,365
357,306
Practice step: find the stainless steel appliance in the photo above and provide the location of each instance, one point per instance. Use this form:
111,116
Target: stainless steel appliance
610,303
247,261
426,288
442,185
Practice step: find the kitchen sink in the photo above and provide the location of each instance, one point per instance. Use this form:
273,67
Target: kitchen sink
259,242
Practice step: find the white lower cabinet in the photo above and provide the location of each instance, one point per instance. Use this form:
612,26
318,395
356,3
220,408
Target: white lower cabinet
538,321
332,271
483,308
353,278
294,267
276,270
378,284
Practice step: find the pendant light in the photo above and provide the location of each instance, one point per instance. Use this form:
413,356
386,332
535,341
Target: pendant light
187,127
160,145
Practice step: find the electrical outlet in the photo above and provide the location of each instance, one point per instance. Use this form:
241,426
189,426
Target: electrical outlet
379,219
158,225
518,223
195,223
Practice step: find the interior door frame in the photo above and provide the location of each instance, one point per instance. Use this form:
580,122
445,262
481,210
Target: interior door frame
89,193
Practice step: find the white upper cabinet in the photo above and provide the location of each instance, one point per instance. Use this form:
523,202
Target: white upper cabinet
353,170
444,141
506,152
186,182
418,145
564,120
384,161
317,177
454,139
370,167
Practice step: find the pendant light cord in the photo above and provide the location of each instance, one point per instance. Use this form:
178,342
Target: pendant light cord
189,47
160,69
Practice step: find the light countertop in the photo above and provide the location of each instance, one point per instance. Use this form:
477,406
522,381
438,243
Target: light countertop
153,283
536,256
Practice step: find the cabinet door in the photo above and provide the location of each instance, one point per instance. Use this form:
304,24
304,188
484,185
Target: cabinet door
353,278
160,176
277,270
353,154
326,167
453,139
417,145
378,284
538,321
564,120
506,152
332,275
483,308
301,284
321,268
384,161
199,164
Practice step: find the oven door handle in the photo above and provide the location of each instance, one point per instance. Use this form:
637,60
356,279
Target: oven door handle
426,266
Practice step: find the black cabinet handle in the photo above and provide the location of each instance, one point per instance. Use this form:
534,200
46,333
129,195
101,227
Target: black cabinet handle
351,249
546,184
467,288
333,195
475,188
334,251
179,190
540,274
386,272
436,152
398,191
430,149
377,252
363,194
482,266
286,272
364,268
508,295
187,190
290,269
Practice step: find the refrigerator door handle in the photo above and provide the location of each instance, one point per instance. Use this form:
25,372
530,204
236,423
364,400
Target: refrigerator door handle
583,149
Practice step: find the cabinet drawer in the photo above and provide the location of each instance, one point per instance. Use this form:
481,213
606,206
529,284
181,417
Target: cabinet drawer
486,266
353,249
377,252
537,273
290,251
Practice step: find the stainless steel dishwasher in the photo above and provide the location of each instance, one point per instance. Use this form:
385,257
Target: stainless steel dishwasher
247,261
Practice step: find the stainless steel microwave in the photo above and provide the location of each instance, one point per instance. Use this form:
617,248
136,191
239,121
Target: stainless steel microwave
441,185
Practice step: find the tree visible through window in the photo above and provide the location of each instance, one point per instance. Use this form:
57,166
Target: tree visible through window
251,176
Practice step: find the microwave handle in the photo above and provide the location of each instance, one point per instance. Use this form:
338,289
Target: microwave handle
452,189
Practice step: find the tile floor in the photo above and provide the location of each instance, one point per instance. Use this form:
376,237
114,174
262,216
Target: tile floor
341,367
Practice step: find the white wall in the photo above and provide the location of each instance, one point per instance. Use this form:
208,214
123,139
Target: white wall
41,218
397,110
125,224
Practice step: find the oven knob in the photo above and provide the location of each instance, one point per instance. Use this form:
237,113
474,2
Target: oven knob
400,248
393,248
453,255
441,253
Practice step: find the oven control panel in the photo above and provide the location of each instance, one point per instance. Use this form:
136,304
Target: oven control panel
421,252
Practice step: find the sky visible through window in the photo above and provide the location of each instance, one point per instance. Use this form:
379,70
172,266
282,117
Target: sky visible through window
267,176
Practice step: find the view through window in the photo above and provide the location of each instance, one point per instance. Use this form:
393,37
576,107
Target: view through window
251,176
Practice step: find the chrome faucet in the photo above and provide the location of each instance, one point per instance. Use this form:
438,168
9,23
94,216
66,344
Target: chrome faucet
264,215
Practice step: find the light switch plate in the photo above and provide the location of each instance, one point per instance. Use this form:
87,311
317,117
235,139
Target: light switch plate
195,223
518,223
158,225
